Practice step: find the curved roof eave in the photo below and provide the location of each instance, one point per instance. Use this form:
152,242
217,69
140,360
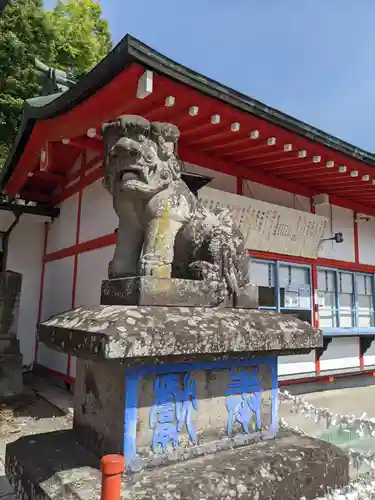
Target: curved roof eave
131,50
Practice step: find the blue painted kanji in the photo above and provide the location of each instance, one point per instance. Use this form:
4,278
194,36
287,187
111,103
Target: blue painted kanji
172,409
243,399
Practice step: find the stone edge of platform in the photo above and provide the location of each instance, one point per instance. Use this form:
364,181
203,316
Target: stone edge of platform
309,467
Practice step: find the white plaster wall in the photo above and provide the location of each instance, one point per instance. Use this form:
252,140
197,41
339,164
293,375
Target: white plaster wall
6,219
340,220
276,196
57,298
25,256
297,364
366,240
62,233
92,270
342,353
98,217
369,356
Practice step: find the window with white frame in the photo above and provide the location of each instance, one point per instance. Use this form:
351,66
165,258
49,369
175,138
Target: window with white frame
283,286
345,299
263,274
327,298
365,302
295,290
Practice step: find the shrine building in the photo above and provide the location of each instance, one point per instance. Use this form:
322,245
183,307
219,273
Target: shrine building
305,201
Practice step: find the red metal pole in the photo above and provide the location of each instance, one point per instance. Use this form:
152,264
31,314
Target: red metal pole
112,467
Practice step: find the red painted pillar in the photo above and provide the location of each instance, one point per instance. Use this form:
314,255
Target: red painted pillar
356,238
41,289
240,185
361,355
314,283
75,262
112,467
356,258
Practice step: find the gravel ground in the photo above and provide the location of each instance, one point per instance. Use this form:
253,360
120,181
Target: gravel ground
39,416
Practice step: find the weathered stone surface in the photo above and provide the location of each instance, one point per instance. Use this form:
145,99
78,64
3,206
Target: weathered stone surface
100,411
10,292
11,383
99,406
115,332
287,468
153,291
164,230
10,357
9,346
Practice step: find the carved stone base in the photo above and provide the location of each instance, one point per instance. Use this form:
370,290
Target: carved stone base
152,291
111,397
11,383
289,467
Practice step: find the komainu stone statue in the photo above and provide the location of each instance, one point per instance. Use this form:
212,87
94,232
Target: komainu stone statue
164,231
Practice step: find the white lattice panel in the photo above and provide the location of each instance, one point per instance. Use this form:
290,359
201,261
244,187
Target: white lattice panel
268,227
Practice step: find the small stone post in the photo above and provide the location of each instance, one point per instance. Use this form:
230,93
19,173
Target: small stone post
112,467
10,357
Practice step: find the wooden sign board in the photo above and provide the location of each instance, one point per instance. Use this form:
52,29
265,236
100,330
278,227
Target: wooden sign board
268,227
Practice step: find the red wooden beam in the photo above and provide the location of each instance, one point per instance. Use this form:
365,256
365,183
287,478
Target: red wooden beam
334,263
342,190
217,135
239,139
82,170
285,159
34,196
237,154
86,180
87,143
217,164
160,112
326,173
86,246
41,289
49,177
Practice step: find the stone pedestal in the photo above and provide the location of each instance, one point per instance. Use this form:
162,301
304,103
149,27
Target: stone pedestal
174,411
10,357
151,291
191,389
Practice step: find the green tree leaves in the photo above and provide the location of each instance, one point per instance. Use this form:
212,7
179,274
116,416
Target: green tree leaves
81,36
72,37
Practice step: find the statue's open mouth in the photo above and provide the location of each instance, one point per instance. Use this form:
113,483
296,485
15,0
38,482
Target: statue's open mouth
130,175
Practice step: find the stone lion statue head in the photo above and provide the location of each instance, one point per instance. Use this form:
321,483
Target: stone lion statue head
139,156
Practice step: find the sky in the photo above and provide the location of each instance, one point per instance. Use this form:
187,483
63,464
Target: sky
312,59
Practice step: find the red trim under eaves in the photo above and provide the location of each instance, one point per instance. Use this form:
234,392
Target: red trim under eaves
356,238
120,93
41,288
82,170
